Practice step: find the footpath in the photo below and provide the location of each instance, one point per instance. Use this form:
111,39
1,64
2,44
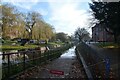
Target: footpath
66,66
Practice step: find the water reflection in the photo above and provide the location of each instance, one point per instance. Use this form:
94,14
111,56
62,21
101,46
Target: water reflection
3,59
14,58
69,54
10,51
17,58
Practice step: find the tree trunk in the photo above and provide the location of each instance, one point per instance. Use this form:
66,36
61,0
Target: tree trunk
30,34
80,39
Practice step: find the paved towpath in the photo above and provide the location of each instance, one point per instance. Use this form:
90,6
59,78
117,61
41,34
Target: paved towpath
66,63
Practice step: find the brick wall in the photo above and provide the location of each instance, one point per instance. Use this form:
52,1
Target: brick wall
100,34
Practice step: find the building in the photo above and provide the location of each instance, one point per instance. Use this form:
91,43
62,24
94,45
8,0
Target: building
99,34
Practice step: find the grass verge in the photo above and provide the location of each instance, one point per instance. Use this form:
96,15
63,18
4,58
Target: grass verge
107,45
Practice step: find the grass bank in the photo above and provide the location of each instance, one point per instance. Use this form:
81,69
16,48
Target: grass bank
9,46
17,47
107,45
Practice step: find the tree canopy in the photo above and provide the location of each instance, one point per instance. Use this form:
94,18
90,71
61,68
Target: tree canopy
62,37
108,14
29,25
81,34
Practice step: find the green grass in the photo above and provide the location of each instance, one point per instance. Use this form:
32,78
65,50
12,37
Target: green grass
56,43
107,45
17,47
8,45
9,42
27,46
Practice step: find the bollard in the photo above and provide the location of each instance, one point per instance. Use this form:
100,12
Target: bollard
107,67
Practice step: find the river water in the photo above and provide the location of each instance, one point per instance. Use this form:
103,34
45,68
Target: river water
69,53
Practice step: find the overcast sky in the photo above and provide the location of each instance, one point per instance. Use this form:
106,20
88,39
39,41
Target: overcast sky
64,15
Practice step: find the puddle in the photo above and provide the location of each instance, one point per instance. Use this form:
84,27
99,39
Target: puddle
69,53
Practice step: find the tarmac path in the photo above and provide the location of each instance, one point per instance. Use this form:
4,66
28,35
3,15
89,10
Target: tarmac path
66,66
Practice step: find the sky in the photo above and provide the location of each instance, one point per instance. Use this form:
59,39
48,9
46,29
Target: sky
64,15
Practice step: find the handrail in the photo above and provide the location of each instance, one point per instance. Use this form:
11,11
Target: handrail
35,57
89,75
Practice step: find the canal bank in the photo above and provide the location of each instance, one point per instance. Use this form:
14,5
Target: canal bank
35,58
66,66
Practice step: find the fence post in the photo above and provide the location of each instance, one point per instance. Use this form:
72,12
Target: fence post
23,60
33,59
39,52
48,55
45,57
8,65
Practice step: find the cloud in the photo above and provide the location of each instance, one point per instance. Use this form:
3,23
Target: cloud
20,0
67,16
43,12
46,0
23,3
67,0
64,15
28,5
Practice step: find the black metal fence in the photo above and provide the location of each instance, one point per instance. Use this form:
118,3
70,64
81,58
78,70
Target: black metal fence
13,63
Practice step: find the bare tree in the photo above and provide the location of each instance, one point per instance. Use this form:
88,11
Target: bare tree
81,33
30,22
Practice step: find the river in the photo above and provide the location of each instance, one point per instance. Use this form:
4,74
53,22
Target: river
69,53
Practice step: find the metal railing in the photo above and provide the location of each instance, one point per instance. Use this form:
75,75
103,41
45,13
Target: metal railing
14,63
94,62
